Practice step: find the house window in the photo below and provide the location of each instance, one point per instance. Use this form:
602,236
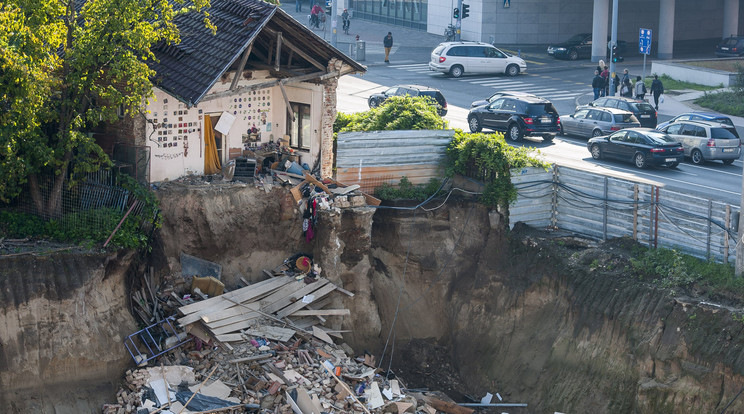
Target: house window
299,128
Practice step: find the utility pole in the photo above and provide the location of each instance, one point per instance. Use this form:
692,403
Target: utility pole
458,20
334,21
739,264
613,44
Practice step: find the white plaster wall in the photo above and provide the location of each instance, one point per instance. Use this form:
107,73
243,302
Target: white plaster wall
177,145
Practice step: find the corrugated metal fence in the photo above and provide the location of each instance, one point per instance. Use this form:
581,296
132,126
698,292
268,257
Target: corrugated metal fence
372,158
604,207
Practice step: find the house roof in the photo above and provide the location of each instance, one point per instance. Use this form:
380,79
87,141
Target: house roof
189,69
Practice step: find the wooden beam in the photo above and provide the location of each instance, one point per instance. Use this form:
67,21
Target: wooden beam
241,66
313,180
270,52
290,113
278,59
264,84
324,312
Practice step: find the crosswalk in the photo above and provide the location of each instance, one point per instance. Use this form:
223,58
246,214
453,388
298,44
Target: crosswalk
505,83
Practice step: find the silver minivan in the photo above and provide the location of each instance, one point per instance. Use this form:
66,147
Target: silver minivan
705,141
457,58
594,122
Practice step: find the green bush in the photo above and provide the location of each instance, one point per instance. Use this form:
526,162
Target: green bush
731,103
396,113
489,158
405,190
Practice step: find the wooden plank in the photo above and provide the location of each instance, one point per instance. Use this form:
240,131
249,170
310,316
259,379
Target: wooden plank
300,304
329,312
313,180
251,358
295,296
245,310
282,293
296,194
235,319
228,299
233,327
272,332
371,200
230,338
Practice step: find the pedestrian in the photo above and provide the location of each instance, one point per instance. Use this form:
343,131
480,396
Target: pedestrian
657,88
626,89
597,84
615,84
298,5
346,21
640,88
388,43
315,16
600,66
606,76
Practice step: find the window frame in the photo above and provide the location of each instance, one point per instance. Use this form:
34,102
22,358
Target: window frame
297,130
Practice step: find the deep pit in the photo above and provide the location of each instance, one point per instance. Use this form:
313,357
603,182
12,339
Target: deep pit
539,317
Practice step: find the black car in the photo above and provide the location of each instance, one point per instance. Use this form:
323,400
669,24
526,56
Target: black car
517,116
731,47
413,90
579,47
643,110
642,146
499,95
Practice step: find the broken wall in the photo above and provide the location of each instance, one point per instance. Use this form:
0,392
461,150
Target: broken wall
64,319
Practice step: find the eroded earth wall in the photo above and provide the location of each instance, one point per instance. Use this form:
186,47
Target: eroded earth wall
63,321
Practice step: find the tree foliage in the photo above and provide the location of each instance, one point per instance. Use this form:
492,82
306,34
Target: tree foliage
489,158
66,66
396,113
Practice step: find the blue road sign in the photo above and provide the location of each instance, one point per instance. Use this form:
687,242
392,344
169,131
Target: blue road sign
644,41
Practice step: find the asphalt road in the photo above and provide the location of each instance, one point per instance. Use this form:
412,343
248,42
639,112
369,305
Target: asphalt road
565,84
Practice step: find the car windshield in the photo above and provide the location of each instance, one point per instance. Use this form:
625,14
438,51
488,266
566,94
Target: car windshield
731,41
625,118
576,38
659,138
722,133
534,109
644,107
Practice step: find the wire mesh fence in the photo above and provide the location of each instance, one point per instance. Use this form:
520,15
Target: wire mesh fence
91,208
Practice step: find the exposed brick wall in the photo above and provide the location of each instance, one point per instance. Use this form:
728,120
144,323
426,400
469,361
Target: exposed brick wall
327,118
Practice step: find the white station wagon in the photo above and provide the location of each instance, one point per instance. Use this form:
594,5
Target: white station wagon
457,58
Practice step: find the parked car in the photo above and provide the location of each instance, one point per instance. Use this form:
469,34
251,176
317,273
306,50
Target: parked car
706,141
413,90
498,95
642,146
517,116
579,47
586,122
731,47
457,58
700,116
643,110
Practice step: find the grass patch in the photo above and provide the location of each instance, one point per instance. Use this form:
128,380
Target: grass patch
674,85
405,190
671,269
731,103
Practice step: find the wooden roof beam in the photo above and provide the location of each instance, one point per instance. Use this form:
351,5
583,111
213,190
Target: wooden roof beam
241,67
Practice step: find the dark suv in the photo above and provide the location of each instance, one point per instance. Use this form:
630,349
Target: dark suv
377,99
643,110
731,47
517,116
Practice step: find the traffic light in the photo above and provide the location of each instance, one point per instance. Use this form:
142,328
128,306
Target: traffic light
456,13
465,10
615,55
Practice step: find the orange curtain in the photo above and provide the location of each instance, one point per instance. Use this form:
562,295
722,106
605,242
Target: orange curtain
211,159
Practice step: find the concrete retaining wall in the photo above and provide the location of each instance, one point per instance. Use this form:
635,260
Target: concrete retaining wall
695,74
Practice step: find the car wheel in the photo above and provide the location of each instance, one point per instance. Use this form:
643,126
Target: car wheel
673,165
696,157
512,70
573,54
561,132
640,160
374,102
596,152
597,133
548,137
474,124
514,133
456,71
728,162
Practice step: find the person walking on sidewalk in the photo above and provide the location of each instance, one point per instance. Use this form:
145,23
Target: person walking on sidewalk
387,42
345,19
605,74
657,88
597,84
640,88
298,5
627,87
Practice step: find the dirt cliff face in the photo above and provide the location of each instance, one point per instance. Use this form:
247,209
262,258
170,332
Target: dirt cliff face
64,321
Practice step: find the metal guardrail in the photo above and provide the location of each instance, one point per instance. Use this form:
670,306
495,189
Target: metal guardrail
604,207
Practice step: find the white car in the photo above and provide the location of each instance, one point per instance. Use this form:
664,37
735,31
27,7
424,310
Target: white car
457,58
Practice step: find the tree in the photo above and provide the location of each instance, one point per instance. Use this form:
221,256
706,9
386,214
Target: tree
66,66
396,113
